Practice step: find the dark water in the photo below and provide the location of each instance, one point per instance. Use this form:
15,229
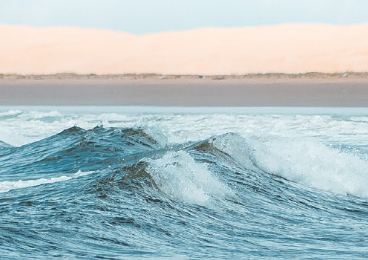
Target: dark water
120,193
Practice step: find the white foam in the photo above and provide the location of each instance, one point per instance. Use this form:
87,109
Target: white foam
316,165
237,147
10,113
6,186
304,161
180,177
31,125
13,138
41,115
157,134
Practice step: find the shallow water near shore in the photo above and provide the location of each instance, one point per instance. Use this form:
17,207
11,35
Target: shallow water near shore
183,183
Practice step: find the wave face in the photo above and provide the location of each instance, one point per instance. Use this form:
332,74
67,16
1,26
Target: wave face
178,186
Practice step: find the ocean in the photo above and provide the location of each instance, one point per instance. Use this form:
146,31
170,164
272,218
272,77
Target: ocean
183,183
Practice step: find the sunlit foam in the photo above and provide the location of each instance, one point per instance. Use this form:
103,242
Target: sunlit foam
180,177
307,162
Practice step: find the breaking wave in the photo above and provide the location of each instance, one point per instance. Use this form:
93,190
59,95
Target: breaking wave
141,191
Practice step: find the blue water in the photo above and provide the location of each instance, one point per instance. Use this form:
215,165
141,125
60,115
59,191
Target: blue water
94,183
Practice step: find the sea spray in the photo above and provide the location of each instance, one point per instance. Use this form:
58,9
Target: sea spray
180,177
304,161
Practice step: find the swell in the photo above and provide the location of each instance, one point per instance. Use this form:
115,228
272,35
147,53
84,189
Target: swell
145,196
308,163
75,149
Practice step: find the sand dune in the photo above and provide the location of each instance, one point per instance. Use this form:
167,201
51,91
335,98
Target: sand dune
292,48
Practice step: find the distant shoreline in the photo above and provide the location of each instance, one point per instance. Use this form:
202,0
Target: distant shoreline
252,90
309,75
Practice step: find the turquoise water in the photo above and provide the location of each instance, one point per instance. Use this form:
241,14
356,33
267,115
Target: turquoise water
183,183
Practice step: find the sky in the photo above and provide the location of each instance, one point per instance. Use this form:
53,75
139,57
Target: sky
152,16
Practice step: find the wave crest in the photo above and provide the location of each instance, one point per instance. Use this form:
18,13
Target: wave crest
310,163
179,176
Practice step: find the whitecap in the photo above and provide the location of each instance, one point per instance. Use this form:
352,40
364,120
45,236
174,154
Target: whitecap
6,186
180,177
304,161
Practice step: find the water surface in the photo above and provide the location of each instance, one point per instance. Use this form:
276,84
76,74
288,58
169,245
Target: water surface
183,183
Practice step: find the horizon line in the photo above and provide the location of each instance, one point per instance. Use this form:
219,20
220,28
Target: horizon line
183,30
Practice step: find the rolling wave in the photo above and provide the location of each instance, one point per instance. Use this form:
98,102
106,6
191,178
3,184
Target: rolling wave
129,192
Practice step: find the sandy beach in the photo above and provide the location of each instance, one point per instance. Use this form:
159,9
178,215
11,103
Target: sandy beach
190,91
250,66
285,48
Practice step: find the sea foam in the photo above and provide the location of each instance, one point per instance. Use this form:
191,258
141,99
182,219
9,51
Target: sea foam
6,186
180,177
308,162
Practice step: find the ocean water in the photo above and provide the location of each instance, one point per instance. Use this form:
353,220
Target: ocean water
183,183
